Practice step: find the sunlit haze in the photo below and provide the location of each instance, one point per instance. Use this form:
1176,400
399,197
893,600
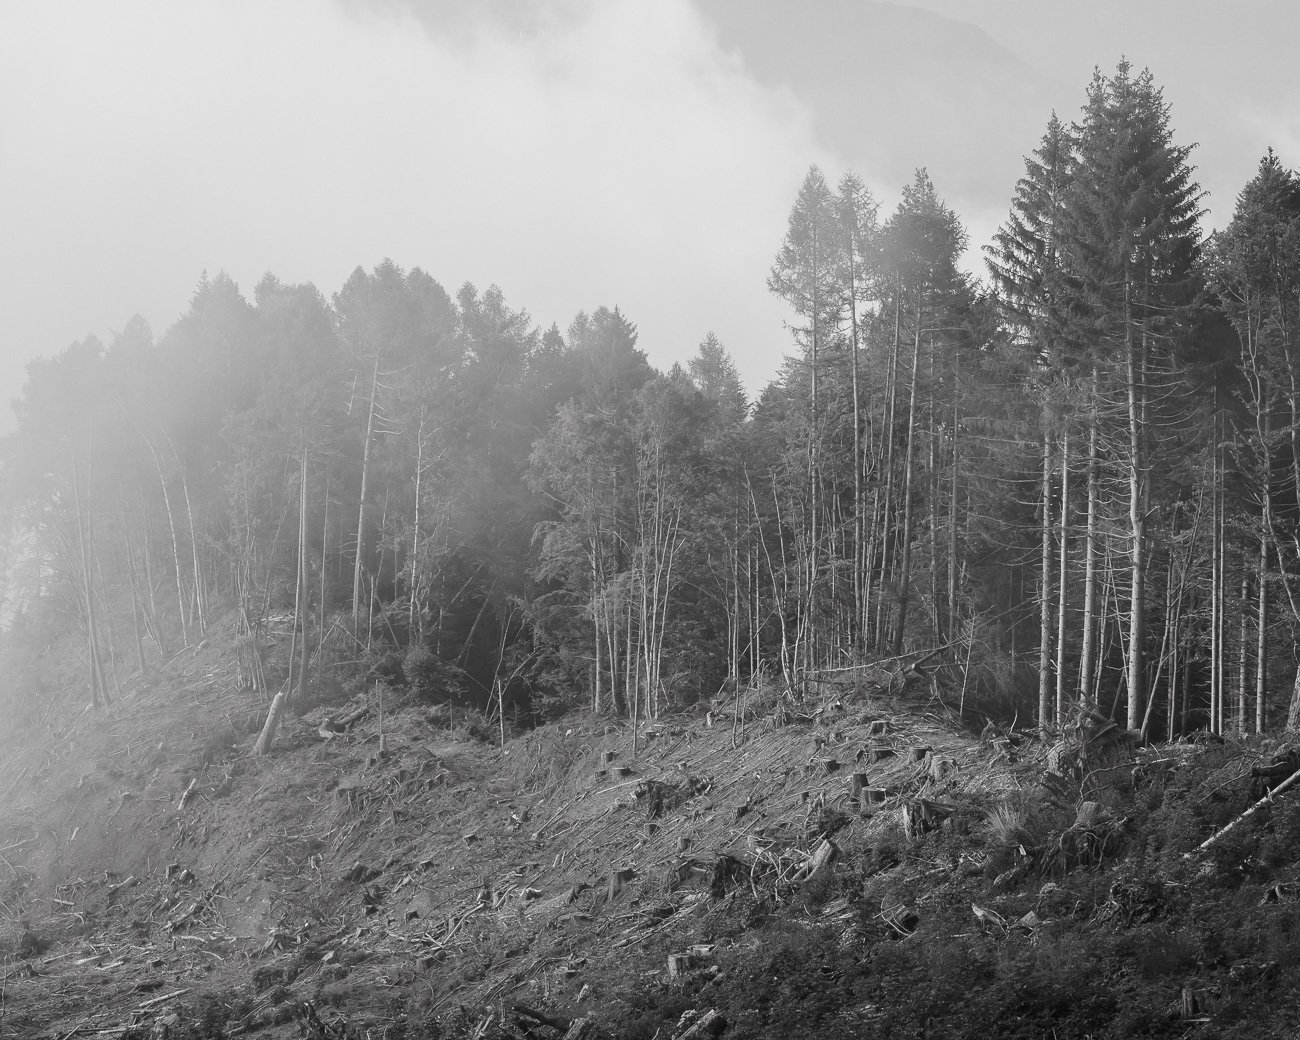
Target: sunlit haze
632,153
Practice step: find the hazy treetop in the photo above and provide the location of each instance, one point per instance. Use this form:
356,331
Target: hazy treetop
624,151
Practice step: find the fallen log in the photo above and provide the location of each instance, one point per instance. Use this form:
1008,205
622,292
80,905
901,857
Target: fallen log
709,1024
1268,798
554,1021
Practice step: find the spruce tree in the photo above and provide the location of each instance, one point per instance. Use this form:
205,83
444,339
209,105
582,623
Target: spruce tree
1130,246
1024,263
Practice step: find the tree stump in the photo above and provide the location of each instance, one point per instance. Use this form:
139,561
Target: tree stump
582,1029
619,880
941,767
267,737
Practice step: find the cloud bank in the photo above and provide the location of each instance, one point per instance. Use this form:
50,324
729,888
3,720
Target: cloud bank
610,155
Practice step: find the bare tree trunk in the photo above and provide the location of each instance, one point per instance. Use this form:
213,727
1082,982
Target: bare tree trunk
324,552
1216,580
302,592
1137,516
1087,652
1045,590
297,644
176,549
359,564
780,586
932,478
887,512
1243,665
595,622
151,615
909,465
1266,529
137,606
413,636
807,626
99,694
1261,644
1293,713
200,595
1062,584
952,510
859,553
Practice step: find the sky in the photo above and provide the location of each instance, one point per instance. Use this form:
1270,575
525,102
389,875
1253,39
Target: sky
634,153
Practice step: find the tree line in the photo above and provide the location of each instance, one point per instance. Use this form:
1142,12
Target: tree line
1074,481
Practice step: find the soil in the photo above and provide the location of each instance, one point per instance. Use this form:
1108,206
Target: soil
410,874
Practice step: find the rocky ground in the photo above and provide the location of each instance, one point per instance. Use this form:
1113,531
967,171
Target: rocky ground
859,864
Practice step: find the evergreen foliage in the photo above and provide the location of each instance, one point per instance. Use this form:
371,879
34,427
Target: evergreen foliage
1081,483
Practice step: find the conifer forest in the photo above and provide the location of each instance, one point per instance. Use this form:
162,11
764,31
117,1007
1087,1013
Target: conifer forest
1070,477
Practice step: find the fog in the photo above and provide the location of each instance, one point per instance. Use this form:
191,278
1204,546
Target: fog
627,152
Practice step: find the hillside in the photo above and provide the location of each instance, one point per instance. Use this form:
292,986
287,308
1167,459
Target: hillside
407,877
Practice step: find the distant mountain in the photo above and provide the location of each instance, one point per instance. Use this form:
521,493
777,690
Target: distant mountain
892,87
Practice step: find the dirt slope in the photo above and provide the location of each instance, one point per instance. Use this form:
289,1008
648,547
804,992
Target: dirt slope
409,877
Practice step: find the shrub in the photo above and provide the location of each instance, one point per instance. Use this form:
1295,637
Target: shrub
1158,951
430,678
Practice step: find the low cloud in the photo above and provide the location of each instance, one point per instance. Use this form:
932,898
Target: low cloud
614,155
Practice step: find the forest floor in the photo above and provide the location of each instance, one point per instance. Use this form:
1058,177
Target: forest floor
858,865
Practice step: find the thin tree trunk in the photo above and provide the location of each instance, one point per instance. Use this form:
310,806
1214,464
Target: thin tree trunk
324,552
1062,573
1266,528
1137,515
359,563
302,593
200,596
887,450
99,694
1243,666
595,621
859,553
952,510
1045,590
413,636
932,463
905,549
1221,599
1261,644
151,615
137,606
1216,581
176,549
1087,652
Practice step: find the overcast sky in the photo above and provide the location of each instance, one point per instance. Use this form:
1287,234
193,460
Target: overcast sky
618,152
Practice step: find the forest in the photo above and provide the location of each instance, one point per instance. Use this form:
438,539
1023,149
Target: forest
1075,480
